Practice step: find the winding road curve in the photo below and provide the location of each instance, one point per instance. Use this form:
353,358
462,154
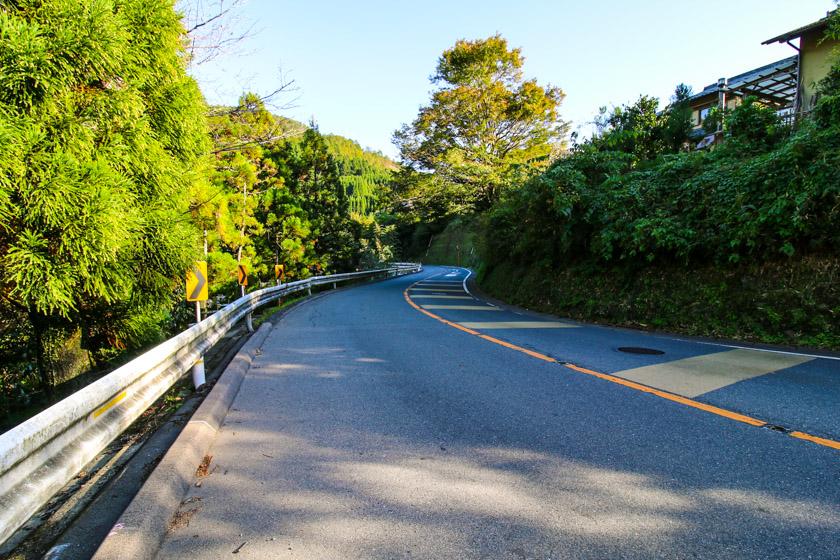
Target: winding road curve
409,419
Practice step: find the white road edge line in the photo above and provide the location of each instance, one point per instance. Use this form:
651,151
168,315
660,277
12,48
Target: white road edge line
469,272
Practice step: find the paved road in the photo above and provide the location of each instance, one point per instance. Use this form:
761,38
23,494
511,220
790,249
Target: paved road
369,429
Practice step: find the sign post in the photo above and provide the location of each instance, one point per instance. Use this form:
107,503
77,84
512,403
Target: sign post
242,278
197,291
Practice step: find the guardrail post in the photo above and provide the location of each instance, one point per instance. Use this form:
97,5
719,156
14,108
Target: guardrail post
248,321
309,289
198,373
198,368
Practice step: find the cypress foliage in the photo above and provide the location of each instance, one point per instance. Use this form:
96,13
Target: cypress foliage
102,134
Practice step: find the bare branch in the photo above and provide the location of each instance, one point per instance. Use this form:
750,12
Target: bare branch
208,21
261,141
214,28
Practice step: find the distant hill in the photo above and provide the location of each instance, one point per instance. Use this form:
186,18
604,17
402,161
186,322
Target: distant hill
365,174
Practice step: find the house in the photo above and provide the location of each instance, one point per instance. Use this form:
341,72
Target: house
788,85
813,59
773,84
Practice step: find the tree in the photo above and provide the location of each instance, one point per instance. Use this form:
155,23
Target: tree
642,130
311,174
102,134
633,129
678,125
227,208
250,123
484,123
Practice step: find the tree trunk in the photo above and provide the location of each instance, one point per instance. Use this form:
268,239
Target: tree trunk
40,325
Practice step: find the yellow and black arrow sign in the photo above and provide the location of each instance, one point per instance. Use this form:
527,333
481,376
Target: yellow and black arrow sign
279,272
197,282
242,275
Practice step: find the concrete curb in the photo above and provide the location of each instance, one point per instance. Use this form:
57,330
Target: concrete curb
141,528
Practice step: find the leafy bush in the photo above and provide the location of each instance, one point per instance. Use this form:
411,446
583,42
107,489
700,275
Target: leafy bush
760,195
754,125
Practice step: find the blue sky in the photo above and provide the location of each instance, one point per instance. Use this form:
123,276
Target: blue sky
362,68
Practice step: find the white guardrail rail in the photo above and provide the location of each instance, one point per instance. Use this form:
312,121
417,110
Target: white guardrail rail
39,457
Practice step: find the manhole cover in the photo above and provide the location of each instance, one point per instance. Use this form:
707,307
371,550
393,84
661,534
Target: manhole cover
640,350
776,428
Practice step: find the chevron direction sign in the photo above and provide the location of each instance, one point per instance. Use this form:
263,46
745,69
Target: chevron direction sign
197,282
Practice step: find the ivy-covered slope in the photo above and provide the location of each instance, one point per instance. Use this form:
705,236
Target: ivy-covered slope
740,241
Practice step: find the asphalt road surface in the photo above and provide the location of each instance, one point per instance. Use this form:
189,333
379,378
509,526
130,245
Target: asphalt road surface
411,420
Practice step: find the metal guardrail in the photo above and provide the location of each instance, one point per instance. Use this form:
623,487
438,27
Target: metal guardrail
39,456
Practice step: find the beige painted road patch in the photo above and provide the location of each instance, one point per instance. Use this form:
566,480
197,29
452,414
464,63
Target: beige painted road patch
418,296
694,376
436,290
518,325
463,307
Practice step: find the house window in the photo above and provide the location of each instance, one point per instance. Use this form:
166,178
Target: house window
703,114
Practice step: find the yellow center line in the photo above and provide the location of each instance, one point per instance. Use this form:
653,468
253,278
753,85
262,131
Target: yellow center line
625,382
671,397
818,440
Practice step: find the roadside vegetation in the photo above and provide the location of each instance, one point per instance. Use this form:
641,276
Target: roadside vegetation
115,176
631,227
739,241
